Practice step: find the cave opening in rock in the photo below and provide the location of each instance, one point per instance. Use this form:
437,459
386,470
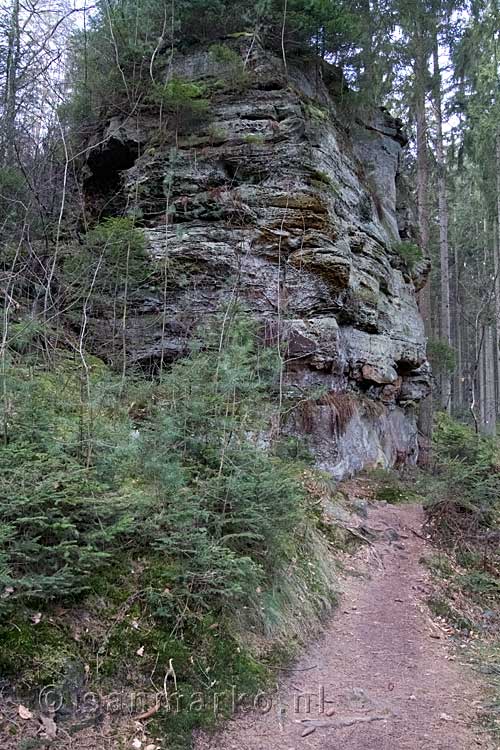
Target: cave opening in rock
103,188
404,368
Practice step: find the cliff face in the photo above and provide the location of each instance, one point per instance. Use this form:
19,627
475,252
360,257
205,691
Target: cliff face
286,200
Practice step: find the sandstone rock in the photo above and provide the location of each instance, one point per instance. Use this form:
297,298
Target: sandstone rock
295,207
383,374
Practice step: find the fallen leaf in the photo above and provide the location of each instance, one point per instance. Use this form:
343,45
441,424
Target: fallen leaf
24,712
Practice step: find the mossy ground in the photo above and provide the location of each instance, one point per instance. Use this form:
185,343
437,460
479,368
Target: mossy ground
394,486
112,644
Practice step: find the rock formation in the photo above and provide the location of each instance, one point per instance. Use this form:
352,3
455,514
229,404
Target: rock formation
288,197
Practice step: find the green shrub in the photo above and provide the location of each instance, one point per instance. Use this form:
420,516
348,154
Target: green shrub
183,100
481,584
28,335
464,491
316,112
464,516
194,487
127,32
442,356
221,53
320,179
410,253
59,522
456,441
235,74
256,139
217,133
159,508
293,449
224,508
111,258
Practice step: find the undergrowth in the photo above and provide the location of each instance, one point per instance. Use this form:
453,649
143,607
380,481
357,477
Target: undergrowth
463,491
394,487
144,523
410,253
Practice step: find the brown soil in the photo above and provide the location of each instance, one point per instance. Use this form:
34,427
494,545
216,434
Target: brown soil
382,677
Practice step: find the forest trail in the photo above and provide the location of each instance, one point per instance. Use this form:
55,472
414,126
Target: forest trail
384,672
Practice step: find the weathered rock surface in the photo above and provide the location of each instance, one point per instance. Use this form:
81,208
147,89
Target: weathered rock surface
294,204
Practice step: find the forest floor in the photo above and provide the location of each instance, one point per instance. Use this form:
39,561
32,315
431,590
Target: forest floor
384,675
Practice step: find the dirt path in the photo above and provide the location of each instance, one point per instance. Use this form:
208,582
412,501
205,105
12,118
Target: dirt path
381,677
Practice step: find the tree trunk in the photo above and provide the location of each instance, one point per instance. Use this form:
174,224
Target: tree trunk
482,380
445,317
9,94
424,301
459,369
496,326
489,405
496,265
